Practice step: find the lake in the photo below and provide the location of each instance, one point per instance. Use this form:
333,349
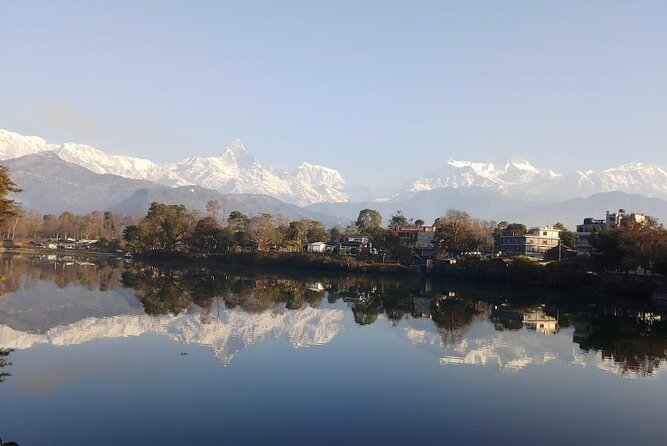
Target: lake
100,352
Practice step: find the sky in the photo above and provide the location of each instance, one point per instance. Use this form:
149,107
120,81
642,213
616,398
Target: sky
382,91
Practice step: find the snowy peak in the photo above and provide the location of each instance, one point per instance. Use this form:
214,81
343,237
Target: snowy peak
235,170
13,145
458,173
519,178
102,163
236,155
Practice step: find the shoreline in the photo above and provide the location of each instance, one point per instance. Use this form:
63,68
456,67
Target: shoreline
563,276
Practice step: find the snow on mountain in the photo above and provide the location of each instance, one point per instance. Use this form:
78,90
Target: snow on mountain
520,179
235,170
487,175
238,171
13,145
100,162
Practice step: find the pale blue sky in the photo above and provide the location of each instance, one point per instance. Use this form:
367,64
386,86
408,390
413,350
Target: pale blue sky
380,90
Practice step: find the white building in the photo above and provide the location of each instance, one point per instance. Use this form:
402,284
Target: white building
316,247
533,244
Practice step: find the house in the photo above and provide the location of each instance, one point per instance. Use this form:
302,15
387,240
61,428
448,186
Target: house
590,226
316,247
540,322
416,236
349,248
420,238
533,244
354,246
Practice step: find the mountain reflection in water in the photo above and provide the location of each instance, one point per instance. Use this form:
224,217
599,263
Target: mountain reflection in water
68,301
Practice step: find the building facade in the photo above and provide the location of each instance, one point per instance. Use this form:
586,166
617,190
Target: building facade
532,244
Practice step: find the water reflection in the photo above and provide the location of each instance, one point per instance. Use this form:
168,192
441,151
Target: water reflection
68,301
4,363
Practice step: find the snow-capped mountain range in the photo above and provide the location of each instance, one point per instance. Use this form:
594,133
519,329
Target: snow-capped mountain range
236,170
518,178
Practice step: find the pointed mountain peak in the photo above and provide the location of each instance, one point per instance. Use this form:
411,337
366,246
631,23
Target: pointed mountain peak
520,164
236,154
236,148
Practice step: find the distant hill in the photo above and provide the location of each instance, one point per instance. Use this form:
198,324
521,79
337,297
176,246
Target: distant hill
486,204
52,185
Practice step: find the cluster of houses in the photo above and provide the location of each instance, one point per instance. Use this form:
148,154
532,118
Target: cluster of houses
538,241
535,243
67,244
352,246
420,238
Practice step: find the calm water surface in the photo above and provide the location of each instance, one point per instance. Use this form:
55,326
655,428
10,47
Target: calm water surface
100,353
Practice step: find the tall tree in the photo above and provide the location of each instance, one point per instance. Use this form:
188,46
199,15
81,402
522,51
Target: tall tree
567,237
260,229
171,224
368,220
398,220
237,220
458,232
214,208
9,209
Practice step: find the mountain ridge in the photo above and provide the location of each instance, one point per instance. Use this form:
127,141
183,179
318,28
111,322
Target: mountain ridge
234,171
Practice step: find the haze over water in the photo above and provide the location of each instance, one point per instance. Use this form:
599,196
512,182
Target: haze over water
132,354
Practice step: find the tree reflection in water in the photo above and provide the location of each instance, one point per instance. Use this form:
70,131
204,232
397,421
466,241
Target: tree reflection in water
4,353
637,346
637,343
634,341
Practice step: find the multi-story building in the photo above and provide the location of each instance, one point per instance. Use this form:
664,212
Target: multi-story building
533,244
592,225
421,238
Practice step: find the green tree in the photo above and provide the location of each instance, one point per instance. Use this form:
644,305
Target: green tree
386,242
237,220
206,235
168,225
9,209
336,233
368,220
567,237
317,232
632,244
297,234
398,220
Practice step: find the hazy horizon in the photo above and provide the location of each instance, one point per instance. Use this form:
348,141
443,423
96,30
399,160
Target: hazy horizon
378,91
